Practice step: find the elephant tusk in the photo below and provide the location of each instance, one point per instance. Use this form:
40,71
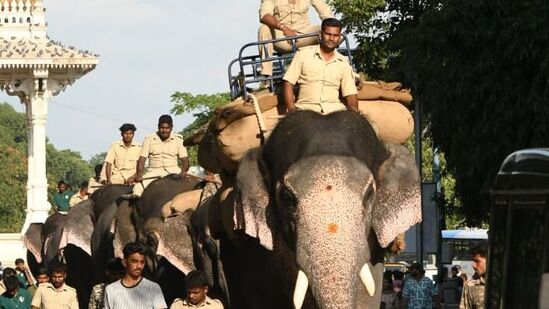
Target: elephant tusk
300,290
368,279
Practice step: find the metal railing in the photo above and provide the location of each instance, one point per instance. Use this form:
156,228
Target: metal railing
247,71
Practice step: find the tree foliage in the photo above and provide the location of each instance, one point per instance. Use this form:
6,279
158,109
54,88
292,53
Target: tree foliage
202,107
478,68
60,164
97,159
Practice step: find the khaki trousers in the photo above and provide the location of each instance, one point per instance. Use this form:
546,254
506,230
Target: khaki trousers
117,179
154,174
265,51
322,108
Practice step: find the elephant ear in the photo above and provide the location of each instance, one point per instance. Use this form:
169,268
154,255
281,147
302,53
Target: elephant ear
252,199
79,227
398,196
33,241
174,241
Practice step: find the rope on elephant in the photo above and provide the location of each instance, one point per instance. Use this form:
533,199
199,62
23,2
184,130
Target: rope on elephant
259,116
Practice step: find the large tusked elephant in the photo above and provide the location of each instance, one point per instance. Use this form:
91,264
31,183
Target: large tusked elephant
323,197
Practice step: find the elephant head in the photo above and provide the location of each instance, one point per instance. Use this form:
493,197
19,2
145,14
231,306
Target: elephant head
327,188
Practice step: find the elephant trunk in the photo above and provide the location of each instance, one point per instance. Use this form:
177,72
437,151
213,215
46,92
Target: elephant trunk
332,254
333,211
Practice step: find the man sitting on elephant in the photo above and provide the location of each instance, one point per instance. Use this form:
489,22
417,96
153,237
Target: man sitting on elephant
121,159
321,73
162,148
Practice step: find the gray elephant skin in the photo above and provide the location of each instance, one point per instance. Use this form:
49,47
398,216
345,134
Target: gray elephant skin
317,206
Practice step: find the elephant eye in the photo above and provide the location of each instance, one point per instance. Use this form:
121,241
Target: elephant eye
287,196
369,195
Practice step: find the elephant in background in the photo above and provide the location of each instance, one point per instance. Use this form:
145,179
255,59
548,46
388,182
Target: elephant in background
317,206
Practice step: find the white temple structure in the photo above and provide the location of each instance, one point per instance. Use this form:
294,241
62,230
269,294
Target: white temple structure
35,68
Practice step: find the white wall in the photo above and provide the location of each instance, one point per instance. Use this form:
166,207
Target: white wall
11,247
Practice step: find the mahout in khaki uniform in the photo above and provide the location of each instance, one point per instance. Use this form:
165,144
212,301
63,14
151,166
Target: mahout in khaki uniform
162,149
284,18
121,159
322,74
196,284
55,294
99,180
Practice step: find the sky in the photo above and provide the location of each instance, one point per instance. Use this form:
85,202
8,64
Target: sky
148,50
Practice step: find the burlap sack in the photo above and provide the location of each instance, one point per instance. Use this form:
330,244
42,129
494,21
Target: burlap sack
379,90
391,120
237,109
182,202
243,135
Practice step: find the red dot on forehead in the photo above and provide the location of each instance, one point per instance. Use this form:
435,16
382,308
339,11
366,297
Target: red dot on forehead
328,187
332,228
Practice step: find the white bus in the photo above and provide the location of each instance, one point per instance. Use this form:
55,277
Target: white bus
456,245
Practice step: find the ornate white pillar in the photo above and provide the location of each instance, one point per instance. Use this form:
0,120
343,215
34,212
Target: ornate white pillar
35,92
35,68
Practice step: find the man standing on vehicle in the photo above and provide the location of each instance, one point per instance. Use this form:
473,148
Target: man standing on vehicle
284,18
162,148
121,159
473,290
322,74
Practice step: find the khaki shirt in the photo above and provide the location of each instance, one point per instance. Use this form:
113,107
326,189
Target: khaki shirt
77,198
163,154
93,185
295,16
123,159
207,304
47,297
320,81
472,296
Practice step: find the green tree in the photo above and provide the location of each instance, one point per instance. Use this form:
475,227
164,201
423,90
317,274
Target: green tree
97,159
60,164
202,107
479,69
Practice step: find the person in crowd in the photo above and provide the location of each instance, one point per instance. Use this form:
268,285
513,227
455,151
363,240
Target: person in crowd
389,298
8,272
285,18
196,283
14,297
122,156
322,74
42,277
162,149
456,269
133,290
114,270
81,195
419,291
398,276
23,273
55,294
464,277
62,197
99,180
473,290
